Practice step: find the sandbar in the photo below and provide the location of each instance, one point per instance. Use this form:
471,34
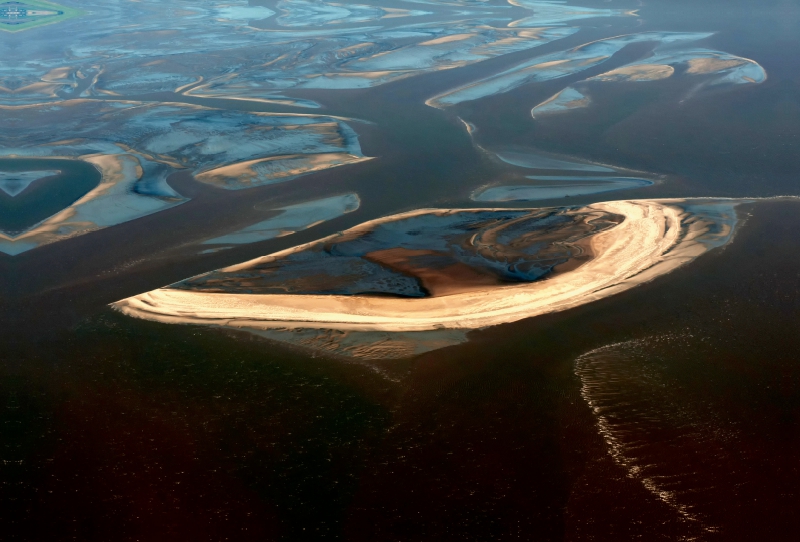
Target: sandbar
653,238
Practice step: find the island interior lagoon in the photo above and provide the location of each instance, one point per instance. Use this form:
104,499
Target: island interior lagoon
400,270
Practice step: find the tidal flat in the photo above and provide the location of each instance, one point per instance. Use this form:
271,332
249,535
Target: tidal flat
461,266
254,286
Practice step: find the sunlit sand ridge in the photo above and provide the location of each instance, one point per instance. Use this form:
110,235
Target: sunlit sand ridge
113,201
653,238
667,54
725,69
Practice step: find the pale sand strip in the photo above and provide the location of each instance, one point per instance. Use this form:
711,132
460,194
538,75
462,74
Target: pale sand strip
653,239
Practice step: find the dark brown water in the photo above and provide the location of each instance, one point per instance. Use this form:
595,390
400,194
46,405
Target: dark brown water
117,423
669,412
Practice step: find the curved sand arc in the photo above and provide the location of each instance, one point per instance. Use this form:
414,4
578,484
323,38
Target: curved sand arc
655,237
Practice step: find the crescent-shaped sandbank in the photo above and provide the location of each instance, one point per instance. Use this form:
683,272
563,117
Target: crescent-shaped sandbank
653,237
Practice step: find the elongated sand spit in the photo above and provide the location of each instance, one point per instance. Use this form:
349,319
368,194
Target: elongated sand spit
655,237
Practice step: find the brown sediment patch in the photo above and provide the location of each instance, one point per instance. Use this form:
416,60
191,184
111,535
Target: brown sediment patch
447,278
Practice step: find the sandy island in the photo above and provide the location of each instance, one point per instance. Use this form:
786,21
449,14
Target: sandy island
655,237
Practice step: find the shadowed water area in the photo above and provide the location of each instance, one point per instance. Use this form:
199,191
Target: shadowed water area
33,190
150,144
